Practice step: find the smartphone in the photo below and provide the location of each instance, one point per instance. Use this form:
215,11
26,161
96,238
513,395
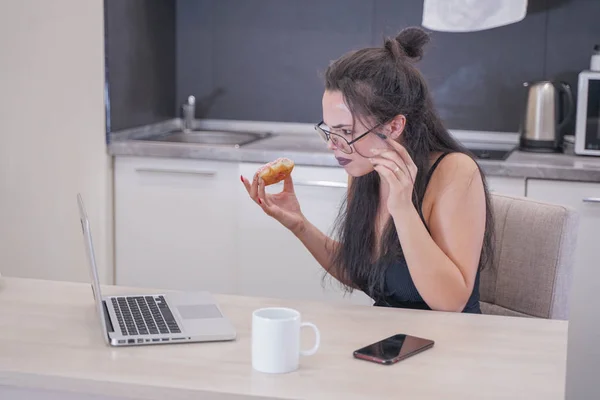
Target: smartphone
393,349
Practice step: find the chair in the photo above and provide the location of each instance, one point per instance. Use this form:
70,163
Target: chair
534,257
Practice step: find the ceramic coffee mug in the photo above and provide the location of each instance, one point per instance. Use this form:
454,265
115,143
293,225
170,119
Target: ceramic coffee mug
276,340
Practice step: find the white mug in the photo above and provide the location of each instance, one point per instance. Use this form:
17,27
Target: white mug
276,340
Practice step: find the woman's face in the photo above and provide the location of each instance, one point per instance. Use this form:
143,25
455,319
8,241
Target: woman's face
338,120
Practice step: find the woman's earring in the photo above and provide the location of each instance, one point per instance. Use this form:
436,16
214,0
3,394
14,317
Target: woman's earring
381,135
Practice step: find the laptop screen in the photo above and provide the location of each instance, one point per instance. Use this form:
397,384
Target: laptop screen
93,270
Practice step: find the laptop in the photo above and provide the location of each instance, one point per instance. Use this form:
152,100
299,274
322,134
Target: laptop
160,318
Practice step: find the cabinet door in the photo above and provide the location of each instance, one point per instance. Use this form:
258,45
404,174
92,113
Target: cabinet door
273,262
584,320
175,223
506,185
585,198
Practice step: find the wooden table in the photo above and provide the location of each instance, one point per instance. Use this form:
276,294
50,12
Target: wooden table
51,345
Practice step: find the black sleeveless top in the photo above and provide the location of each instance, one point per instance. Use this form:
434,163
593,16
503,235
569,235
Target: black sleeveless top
399,288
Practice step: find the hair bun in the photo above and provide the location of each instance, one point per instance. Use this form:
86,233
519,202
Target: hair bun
411,41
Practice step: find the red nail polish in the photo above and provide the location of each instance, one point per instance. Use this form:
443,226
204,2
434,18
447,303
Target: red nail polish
259,201
242,178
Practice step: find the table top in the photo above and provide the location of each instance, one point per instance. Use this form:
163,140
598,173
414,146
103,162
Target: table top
50,339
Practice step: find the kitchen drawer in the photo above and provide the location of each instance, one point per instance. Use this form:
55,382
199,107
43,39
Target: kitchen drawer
175,223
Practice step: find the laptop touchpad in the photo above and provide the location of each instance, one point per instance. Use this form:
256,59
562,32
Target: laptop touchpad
199,311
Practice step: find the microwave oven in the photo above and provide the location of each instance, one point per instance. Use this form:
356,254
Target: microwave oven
587,120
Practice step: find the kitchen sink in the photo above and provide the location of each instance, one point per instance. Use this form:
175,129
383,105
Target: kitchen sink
488,154
211,138
490,151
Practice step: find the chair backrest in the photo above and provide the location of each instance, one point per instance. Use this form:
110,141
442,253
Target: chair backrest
534,255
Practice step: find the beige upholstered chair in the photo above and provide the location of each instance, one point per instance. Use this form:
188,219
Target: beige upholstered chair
534,257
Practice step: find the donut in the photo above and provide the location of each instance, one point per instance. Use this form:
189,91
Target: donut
275,171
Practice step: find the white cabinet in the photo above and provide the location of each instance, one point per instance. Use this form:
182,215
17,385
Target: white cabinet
175,223
584,321
585,198
272,261
189,224
509,186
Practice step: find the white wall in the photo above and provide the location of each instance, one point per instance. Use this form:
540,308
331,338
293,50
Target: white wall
52,138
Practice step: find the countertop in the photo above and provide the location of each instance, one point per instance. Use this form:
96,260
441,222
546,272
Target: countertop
303,146
52,345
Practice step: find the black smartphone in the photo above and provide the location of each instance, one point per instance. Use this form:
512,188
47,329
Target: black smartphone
393,349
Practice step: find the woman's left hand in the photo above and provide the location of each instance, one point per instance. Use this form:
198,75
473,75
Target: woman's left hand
397,168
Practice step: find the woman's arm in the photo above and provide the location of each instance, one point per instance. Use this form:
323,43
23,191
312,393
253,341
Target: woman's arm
443,265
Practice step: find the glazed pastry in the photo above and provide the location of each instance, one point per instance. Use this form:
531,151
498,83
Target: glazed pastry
275,171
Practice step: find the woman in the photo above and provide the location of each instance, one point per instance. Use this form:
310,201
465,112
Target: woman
416,226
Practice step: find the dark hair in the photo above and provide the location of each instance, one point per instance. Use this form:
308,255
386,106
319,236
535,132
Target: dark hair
378,84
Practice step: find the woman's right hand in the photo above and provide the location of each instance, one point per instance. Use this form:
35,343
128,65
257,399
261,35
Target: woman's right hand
282,206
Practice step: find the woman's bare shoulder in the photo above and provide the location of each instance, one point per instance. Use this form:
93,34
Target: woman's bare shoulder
456,173
455,167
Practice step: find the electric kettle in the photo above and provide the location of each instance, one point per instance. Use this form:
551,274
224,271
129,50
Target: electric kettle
542,127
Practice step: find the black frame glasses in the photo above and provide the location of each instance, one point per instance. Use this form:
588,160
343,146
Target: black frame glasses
327,136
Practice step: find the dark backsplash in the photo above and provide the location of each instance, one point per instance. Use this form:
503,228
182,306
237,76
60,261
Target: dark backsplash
264,59
140,61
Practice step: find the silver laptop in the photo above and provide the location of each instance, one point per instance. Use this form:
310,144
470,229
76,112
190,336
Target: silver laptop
161,318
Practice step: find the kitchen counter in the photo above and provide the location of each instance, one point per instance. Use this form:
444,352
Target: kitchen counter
306,148
52,349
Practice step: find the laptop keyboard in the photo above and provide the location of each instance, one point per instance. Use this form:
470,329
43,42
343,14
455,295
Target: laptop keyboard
144,315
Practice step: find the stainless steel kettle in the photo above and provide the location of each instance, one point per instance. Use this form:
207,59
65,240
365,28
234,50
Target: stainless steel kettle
541,129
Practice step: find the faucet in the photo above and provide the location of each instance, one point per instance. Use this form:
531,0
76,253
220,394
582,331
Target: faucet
189,109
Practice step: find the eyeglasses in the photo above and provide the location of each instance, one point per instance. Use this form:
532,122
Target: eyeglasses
339,141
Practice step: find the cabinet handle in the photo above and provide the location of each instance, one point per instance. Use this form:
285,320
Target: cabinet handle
591,199
329,184
177,171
